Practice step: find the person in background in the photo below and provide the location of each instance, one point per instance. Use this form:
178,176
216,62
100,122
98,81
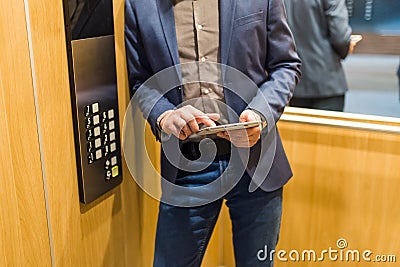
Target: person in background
323,38
398,76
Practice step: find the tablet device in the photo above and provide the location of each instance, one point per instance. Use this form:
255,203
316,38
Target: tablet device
228,127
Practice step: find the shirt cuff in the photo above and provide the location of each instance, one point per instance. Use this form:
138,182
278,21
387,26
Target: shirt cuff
160,118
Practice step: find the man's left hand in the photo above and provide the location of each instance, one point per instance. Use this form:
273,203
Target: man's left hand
246,137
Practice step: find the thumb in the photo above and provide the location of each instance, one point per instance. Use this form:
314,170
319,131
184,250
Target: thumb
247,115
208,119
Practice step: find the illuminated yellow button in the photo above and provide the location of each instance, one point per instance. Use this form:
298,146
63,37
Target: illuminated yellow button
115,171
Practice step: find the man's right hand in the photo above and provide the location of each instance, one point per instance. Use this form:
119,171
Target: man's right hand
185,121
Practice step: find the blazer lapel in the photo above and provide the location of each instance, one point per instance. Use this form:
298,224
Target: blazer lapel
166,14
226,16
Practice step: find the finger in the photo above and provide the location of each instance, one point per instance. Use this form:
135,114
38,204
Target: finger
186,130
182,136
253,131
194,122
193,125
206,121
190,113
174,126
190,119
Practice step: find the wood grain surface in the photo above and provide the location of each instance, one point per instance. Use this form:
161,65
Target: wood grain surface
24,239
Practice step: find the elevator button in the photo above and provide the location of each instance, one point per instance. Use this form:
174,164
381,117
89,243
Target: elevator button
96,119
97,143
112,136
110,114
97,131
99,154
115,171
113,147
111,125
114,160
95,107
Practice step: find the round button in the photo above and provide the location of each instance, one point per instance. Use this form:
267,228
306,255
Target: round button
206,91
203,59
199,26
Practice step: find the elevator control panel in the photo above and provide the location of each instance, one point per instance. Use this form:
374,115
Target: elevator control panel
94,95
101,139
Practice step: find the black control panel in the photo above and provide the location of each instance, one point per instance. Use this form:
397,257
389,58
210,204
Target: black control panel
94,95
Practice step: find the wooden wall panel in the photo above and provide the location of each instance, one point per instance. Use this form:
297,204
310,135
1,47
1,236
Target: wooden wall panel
345,185
24,239
104,233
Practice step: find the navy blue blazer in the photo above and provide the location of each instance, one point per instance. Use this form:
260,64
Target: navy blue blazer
254,39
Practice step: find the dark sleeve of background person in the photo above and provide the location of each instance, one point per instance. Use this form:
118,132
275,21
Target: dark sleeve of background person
339,31
398,74
398,77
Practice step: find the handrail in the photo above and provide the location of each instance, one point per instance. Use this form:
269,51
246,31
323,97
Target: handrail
341,123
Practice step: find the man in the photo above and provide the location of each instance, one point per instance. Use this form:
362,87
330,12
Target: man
322,33
398,77
254,38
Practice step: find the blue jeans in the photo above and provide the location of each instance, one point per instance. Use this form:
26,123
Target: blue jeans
183,233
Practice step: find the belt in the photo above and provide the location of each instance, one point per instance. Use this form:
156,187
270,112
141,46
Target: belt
192,152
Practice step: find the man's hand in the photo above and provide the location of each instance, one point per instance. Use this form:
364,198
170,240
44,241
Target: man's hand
246,137
184,121
354,39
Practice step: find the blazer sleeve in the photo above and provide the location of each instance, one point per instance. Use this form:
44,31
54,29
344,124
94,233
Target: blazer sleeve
282,64
339,31
150,100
